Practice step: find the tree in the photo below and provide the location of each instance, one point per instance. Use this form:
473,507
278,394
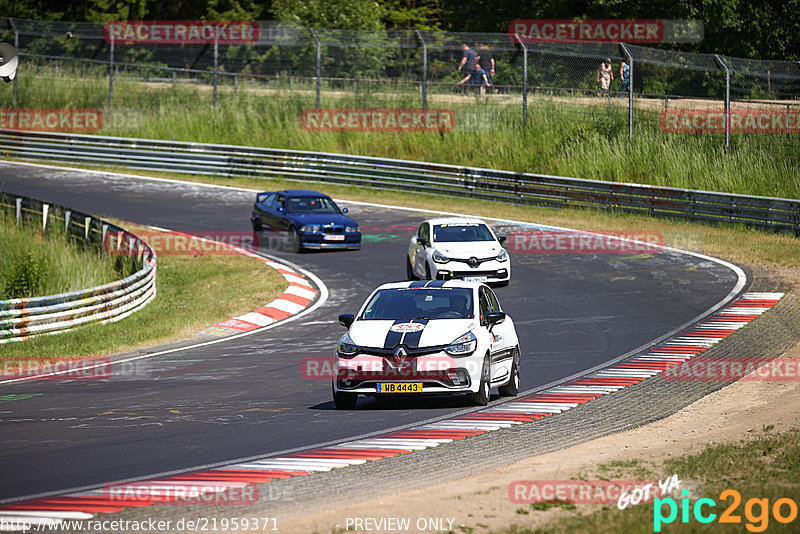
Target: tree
342,15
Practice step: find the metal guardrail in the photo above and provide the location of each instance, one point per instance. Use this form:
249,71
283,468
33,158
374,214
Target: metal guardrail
766,213
21,318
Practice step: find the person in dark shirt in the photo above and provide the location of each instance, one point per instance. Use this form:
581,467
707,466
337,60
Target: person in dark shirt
487,60
467,58
477,78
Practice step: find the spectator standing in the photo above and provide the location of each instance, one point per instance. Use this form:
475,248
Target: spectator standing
486,60
604,76
467,58
625,75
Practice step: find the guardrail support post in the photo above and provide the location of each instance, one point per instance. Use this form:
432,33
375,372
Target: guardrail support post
424,71
19,210
727,100
630,90
524,80
216,67
111,74
319,62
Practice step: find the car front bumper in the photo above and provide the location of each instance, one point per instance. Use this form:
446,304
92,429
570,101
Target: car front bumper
438,373
491,271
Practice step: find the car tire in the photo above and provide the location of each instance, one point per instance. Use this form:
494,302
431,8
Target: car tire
293,240
428,271
481,398
256,221
512,388
345,401
410,270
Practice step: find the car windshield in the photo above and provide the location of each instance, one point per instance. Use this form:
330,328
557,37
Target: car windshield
420,303
461,232
311,205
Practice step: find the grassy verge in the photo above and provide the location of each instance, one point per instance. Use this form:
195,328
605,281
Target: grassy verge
584,138
765,467
194,292
33,264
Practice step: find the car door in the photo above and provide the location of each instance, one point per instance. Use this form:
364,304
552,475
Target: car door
279,210
504,333
419,251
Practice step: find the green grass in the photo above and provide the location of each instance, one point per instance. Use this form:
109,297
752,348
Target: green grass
585,140
194,292
33,264
765,467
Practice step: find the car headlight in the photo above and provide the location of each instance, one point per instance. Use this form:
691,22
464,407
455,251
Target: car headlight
351,229
438,257
310,228
503,256
463,345
346,348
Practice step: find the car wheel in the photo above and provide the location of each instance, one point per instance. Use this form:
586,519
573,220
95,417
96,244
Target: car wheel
428,271
410,270
345,401
512,388
481,398
256,224
294,239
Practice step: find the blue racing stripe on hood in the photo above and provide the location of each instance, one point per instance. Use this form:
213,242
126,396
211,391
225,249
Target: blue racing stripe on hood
393,338
411,340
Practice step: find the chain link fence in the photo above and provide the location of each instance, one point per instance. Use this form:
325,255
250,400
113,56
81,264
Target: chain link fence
74,64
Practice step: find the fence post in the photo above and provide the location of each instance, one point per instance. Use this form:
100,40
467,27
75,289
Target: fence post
524,80
16,45
630,90
216,65
424,70
319,62
727,100
111,73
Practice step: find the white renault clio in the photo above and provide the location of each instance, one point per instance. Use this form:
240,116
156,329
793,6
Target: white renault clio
458,248
427,337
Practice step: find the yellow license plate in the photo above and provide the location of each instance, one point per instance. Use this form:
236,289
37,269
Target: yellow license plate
399,387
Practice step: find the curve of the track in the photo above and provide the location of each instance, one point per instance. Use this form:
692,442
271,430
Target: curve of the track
246,396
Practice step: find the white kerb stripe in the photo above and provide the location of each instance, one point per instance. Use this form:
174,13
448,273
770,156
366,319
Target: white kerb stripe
256,319
286,305
301,292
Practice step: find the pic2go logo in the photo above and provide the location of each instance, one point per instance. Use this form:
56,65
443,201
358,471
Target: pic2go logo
756,511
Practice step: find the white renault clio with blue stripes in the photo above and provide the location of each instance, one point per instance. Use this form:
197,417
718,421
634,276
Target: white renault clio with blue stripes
427,337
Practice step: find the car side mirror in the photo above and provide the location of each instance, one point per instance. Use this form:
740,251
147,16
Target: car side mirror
496,317
345,210
346,319
501,239
422,241
279,208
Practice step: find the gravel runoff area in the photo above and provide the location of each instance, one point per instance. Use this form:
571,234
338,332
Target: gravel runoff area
289,500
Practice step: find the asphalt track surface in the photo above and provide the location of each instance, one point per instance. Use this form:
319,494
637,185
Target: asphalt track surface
247,397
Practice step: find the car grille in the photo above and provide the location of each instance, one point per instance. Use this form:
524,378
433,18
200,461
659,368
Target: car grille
333,229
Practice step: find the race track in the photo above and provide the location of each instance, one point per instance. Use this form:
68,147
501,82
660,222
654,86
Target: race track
246,397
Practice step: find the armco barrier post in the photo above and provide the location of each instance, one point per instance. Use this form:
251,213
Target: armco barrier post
630,90
727,100
424,70
319,62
